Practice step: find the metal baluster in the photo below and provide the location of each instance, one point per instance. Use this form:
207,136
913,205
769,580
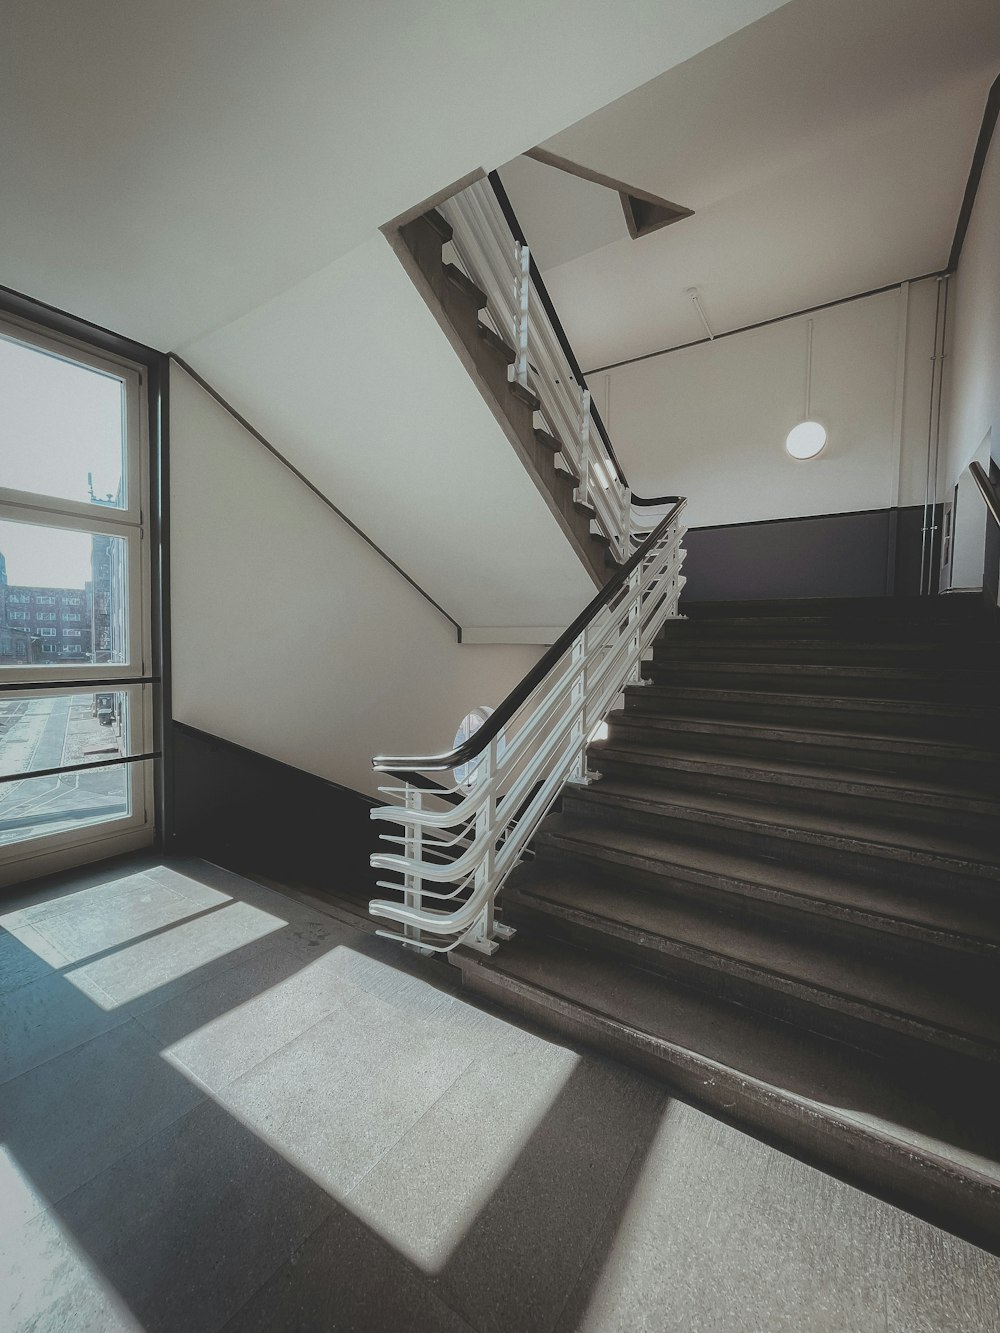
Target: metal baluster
582,492
481,935
580,775
413,850
523,291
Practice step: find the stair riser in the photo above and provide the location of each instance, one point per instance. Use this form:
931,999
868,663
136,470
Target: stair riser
868,757
978,730
951,610
867,1027
780,629
842,1147
857,933
673,652
778,681
873,808
800,851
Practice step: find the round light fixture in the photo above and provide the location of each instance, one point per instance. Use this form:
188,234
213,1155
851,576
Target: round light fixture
806,440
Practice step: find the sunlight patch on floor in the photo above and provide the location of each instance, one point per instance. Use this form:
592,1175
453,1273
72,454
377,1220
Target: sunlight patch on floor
464,1089
138,969
55,1284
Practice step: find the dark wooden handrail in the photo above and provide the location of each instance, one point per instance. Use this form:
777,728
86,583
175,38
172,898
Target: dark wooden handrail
989,489
401,765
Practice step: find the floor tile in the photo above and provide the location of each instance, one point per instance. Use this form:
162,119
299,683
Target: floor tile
48,1285
231,1022
85,929
344,1278
147,972
721,1232
361,1078
45,1018
70,1118
110,896
192,1222
522,1253
21,959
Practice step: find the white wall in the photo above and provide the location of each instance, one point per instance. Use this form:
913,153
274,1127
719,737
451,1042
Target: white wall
354,381
973,367
710,421
291,636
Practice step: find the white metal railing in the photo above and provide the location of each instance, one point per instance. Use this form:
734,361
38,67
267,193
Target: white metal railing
459,841
485,248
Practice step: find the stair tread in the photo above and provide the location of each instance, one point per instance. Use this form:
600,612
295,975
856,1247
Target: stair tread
806,733
935,845
811,968
926,609
963,917
825,777
879,1098
499,345
839,702
465,284
824,670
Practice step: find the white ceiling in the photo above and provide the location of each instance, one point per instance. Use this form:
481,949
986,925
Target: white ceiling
824,149
168,167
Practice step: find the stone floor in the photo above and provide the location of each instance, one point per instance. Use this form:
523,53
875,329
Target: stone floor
220,1108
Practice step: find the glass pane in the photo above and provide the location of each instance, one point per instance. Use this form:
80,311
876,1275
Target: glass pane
37,806
62,427
39,731
62,597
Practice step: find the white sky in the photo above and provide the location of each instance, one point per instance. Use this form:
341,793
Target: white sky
58,421
45,557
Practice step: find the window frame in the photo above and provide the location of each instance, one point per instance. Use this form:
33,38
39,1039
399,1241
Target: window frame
13,329
63,673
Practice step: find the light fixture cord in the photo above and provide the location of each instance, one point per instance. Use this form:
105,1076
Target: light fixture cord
809,368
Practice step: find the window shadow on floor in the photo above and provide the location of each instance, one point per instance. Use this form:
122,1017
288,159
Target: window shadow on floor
153,1178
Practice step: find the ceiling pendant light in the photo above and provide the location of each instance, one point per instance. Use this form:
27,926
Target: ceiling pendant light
808,438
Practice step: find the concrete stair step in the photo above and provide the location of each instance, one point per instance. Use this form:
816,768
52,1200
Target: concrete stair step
897,799
945,719
922,1135
798,977
825,678
737,881
872,750
948,609
933,858
673,648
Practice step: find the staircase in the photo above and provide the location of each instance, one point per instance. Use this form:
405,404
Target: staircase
783,893
460,307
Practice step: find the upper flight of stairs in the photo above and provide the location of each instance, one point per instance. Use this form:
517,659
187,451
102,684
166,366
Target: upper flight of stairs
783,892
458,303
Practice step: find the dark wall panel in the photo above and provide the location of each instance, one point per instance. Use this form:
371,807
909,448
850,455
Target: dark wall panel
873,553
251,813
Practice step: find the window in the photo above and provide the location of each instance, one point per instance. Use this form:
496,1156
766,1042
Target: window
72,478
18,615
